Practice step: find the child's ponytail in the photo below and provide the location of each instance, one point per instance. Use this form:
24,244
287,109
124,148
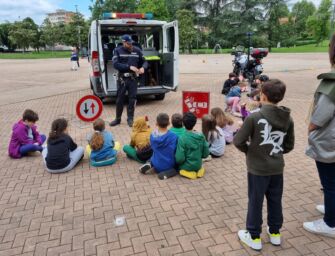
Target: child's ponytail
97,140
58,127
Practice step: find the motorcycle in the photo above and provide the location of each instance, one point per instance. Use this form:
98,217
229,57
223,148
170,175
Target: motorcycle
249,69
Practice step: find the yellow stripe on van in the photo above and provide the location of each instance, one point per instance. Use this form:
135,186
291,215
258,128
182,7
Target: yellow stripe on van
152,58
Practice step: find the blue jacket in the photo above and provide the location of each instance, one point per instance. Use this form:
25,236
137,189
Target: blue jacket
107,151
234,92
74,56
123,59
164,148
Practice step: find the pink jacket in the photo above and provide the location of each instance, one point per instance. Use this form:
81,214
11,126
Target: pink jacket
20,138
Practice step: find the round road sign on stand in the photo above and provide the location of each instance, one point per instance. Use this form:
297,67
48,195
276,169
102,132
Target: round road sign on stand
89,108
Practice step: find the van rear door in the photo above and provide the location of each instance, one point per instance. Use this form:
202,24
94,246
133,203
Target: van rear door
171,55
101,58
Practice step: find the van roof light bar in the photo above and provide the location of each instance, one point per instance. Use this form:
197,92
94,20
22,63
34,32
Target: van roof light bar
120,15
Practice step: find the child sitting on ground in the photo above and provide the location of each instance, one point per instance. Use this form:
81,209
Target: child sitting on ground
61,154
264,137
225,123
25,137
252,105
214,136
139,148
177,124
163,143
229,83
101,148
192,147
233,98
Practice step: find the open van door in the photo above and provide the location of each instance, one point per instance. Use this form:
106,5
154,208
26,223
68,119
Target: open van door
101,58
171,55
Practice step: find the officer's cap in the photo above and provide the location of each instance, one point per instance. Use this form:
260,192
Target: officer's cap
127,38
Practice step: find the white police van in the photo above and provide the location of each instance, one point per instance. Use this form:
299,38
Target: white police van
160,46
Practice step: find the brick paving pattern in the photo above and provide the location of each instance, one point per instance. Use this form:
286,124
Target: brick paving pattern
74,213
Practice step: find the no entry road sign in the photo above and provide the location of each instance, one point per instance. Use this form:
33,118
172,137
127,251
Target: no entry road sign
89,108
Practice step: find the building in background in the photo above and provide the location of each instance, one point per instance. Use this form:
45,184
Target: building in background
60,16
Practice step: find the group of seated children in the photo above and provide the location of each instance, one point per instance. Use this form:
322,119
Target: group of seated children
233,89
165,151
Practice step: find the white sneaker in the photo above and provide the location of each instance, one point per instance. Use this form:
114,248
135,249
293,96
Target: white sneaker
275,239
145,168
321,208
319,227
245,238
207,159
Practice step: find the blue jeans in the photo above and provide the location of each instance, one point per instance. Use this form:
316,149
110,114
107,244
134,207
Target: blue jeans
327,178
25,149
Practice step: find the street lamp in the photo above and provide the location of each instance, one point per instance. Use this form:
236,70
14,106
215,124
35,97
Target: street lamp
78,27
249,35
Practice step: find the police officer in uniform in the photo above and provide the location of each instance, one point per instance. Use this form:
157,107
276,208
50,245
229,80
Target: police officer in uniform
129,61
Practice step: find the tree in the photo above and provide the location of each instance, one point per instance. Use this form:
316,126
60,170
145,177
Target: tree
319,23
277,9
51,33
98,7
157,7
23,33
300,13
187,32
76,31
5,28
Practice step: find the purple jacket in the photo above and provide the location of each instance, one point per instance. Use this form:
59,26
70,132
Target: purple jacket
20,138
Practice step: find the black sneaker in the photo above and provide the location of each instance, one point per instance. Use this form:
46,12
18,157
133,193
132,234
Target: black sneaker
115,122
130,123
144,168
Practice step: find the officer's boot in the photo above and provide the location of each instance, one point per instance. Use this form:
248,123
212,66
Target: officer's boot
119,109
130,111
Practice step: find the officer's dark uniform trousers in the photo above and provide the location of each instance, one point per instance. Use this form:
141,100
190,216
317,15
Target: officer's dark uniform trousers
127,80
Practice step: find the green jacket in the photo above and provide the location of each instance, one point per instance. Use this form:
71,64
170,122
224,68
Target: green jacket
265,136
192,147
178,131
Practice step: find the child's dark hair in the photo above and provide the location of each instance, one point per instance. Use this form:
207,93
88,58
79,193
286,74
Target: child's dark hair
231,75
274,90
97,140
177,120
163,120
209,125
30,116
58,127
189,120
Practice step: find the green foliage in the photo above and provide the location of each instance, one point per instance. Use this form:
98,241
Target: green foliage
98,7
187,32
4,36
157,7
76,31
23,33
300,13
319,23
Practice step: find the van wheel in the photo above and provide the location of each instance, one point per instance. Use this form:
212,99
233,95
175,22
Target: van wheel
160,96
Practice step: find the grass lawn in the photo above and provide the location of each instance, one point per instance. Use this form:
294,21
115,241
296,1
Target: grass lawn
298,49
36,55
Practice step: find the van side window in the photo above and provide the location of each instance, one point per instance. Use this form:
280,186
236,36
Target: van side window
170,36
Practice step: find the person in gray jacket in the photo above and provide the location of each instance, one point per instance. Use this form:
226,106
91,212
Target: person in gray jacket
264,137
321,147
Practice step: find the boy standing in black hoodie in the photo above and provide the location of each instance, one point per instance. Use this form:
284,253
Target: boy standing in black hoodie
264,137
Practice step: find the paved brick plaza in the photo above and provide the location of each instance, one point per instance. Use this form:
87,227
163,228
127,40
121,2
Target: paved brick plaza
74,213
